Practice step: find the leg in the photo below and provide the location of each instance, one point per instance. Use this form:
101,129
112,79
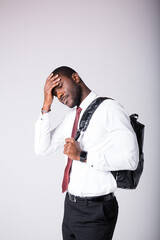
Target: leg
110,210
66,226
94,221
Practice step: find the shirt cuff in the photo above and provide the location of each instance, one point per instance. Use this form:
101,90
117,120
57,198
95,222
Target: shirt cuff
94,160
44,116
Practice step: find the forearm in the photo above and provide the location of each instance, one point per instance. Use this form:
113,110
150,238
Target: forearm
113,161
47,140
42,135
119,153
43,139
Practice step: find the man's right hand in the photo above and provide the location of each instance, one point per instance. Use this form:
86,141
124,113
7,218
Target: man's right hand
51,82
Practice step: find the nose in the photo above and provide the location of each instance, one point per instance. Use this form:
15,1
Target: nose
59,95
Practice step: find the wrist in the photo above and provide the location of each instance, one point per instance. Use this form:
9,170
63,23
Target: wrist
83,156
46,107
44,111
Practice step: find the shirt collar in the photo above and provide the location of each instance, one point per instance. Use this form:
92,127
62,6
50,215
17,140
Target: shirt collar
85,103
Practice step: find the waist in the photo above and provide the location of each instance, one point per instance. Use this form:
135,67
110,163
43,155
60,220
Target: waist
86,181
102,198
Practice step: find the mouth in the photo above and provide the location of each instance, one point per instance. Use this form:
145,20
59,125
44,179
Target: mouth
64,100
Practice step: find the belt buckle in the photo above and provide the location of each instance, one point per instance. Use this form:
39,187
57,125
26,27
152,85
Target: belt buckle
72,198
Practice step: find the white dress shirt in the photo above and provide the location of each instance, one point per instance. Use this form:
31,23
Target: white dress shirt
109,140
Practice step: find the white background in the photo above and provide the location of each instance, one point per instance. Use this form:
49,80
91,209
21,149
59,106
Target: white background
114,46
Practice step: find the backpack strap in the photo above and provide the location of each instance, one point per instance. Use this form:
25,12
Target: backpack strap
84,122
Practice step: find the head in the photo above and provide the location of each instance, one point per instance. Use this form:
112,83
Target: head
70,88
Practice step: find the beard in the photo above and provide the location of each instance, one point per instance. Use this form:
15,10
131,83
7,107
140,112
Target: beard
76,95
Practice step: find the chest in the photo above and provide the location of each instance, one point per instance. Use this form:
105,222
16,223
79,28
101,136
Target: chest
96,132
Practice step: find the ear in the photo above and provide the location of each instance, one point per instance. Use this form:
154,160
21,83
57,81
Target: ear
76,77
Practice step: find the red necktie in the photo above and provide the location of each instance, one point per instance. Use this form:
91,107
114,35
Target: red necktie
69,163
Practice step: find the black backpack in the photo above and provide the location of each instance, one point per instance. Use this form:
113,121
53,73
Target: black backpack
125,178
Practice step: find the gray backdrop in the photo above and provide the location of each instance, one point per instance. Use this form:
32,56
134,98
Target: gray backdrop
114,45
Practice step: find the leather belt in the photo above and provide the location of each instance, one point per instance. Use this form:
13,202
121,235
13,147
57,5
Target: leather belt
102,198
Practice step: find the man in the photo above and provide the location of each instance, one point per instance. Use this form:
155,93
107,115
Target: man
109,144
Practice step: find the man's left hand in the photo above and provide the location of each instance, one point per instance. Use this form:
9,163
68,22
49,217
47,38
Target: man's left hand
72,149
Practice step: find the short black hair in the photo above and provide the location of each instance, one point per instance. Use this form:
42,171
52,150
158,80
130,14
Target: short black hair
65,71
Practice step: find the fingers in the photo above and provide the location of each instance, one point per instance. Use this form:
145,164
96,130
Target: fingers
52,85
68,145
52,81
72,149
69,140
67,148
49,76
52,77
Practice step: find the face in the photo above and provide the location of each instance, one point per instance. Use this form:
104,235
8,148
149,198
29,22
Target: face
68,92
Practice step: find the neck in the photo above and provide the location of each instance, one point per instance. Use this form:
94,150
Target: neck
85,92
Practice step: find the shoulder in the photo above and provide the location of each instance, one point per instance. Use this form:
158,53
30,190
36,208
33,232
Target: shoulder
112,105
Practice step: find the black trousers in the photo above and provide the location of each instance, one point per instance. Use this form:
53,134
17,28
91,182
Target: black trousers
89,220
